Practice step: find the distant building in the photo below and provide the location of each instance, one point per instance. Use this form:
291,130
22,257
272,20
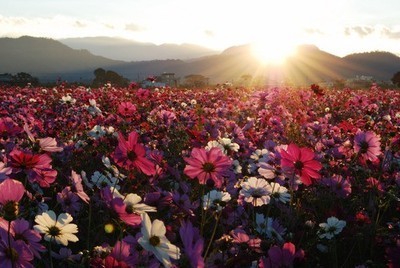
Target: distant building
169,79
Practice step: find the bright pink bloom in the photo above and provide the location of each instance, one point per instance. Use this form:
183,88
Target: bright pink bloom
132,155
25,161
126,108
368,145
11,192
300,161
125,214
204,165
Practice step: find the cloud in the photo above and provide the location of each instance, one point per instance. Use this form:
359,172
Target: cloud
313,31
79,24
361,31
133,27
209,33
390,33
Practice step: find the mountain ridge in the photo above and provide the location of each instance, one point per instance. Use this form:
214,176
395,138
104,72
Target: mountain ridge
49,59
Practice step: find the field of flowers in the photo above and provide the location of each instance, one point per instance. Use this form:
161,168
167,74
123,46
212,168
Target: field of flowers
217,177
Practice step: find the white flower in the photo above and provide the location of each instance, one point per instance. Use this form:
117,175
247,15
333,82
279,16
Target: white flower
97,132
132,202
154,240
256,191
279,192
269,227
58,229
215,199
93,109
183,105
193,102
228,145
237,168
100,180
212,144
332,227
68,100
266,170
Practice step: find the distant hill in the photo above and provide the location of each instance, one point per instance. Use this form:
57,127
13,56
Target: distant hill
48,59
127,50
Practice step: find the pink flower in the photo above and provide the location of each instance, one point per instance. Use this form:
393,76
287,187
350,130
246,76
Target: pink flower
49,145
131,155
11,192
25,161
368,145
300,161
205,165
126,108
78,188
282,257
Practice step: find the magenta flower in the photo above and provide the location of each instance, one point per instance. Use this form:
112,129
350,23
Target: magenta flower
205,165
125,213
126,109
14,253
129,154
11,192
300,161
368,145
282,257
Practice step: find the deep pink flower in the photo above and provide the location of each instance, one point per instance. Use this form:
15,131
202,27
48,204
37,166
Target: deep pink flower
126,108
368,145
25,161
204,165
8,127
77,186
132,155
126,214
11,192
300,161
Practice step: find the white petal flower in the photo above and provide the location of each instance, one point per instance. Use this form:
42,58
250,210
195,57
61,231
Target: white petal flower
256,191
154,240
58,229
332,227
215,199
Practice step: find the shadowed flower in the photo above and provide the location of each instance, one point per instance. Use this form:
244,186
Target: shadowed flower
58,229
256,191
154,240
300,161
282,257
216,199
193,244
332,227
205,165
129,154
14,253
368,145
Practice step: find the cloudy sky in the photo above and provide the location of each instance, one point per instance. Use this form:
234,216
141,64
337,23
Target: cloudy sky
336,26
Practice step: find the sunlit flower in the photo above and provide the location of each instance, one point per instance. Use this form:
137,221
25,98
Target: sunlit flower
256,191
332,227
130,154
368,145
153,239
216,199
58,229
205,165
68,100
300,161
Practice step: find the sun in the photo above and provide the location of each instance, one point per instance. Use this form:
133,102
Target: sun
274,52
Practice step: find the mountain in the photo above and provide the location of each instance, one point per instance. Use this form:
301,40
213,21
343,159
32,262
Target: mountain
49,59
127,50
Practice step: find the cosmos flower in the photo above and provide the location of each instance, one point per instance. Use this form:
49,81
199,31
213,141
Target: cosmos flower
332,227
205,165
14,253
256,191
279,193
368,145
300,161
153,239
129,154
58,229
216,199
126,109
11,192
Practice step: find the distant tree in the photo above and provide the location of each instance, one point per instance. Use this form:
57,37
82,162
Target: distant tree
102,77
396,79
22,79
196,80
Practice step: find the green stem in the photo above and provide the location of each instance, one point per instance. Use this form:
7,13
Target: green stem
212,235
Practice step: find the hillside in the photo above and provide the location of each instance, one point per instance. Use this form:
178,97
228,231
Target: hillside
48,60
127,50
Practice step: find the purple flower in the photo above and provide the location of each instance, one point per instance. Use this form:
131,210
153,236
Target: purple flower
14,253
193,244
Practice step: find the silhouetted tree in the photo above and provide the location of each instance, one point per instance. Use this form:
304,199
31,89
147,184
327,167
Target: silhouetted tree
102,77
396,79
196,80
22,79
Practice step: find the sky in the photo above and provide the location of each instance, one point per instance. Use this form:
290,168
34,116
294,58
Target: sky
339,27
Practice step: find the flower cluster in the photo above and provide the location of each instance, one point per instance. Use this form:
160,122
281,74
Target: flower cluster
217,177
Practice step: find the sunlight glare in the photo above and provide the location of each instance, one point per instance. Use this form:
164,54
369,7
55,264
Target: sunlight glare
273,51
